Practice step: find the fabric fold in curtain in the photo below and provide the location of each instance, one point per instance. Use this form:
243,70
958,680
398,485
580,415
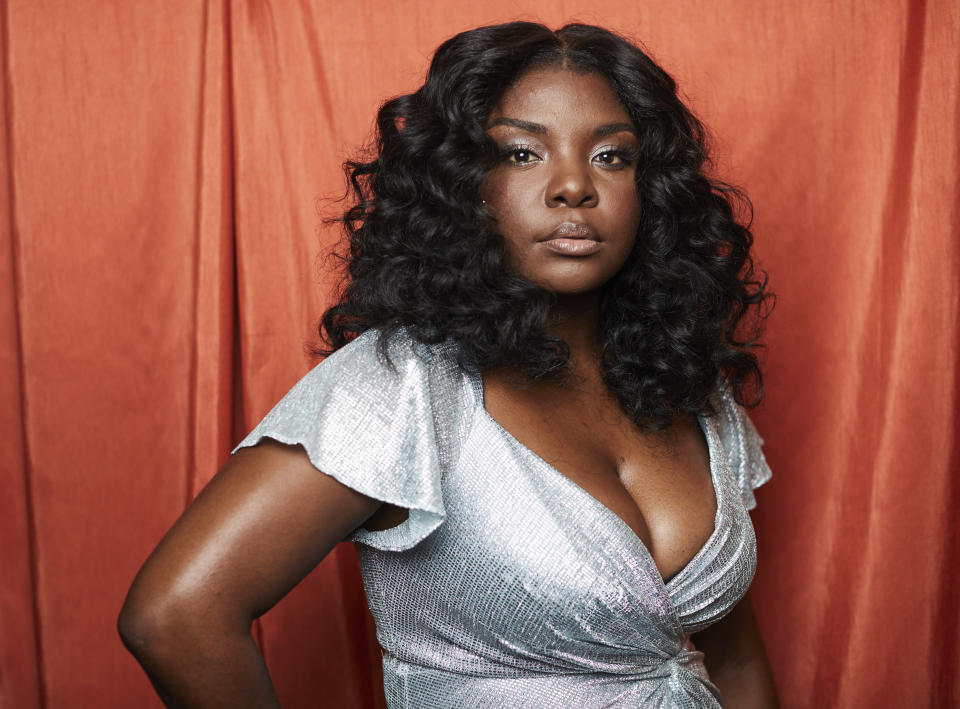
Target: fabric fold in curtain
168,172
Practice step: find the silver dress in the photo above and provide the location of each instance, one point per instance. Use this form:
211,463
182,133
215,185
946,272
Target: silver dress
509,585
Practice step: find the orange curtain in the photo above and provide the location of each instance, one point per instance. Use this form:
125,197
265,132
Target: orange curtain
167,168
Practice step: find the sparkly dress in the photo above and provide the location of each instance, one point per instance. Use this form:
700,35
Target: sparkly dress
509,585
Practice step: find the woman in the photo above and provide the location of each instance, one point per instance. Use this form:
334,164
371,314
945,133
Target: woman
529,421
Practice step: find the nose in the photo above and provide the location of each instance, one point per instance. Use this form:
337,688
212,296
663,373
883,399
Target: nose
571,186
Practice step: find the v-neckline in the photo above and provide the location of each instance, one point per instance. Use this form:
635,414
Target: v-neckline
606,512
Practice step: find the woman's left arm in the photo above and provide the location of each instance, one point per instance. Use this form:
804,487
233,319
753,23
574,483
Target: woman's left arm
735,658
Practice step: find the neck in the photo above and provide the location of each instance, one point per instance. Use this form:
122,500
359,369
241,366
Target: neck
575,319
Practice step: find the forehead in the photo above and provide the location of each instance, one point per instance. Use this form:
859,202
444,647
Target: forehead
555,97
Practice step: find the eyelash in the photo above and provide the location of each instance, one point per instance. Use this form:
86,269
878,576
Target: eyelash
511,150
627,157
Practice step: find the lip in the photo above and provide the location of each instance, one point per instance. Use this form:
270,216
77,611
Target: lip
572,239
570,230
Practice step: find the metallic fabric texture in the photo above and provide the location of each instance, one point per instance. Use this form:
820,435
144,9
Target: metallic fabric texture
509,585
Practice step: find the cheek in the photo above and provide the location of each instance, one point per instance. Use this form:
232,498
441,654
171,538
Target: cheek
626,215
626,212
629,201
509,203
503,194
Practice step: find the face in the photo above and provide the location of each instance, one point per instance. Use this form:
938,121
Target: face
563,193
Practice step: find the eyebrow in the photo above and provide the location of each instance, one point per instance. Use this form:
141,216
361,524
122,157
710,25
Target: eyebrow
537,128
611,128
522,125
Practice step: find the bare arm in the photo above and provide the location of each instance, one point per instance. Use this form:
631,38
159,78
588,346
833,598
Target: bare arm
736,660
262,524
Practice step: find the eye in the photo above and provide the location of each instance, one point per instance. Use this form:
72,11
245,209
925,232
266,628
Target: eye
519,155
609,157
615,158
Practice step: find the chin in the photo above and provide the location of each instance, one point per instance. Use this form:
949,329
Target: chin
573,284
558,287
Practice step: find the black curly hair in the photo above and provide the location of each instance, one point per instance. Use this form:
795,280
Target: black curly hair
424,254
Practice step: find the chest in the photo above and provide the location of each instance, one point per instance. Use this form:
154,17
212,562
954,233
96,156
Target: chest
659,484
529,557
527,554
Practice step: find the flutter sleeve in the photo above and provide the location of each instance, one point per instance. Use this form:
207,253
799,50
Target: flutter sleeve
743,446
371,429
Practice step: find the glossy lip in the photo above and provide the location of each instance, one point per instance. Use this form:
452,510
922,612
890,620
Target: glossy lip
572,239
570,230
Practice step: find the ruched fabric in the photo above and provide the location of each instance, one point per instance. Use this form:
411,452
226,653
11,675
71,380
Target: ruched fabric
509,585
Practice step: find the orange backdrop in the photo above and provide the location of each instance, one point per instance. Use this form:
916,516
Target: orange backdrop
163,164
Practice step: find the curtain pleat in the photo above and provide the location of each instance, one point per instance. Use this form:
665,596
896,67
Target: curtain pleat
21,656
168,172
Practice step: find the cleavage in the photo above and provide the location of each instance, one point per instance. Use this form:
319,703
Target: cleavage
659,485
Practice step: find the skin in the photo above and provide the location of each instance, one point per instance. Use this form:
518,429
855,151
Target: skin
263,523
568,149
569,156
268,517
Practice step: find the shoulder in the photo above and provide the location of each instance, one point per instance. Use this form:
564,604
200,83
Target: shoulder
382,416
369,371
742,444
372,390
380,356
